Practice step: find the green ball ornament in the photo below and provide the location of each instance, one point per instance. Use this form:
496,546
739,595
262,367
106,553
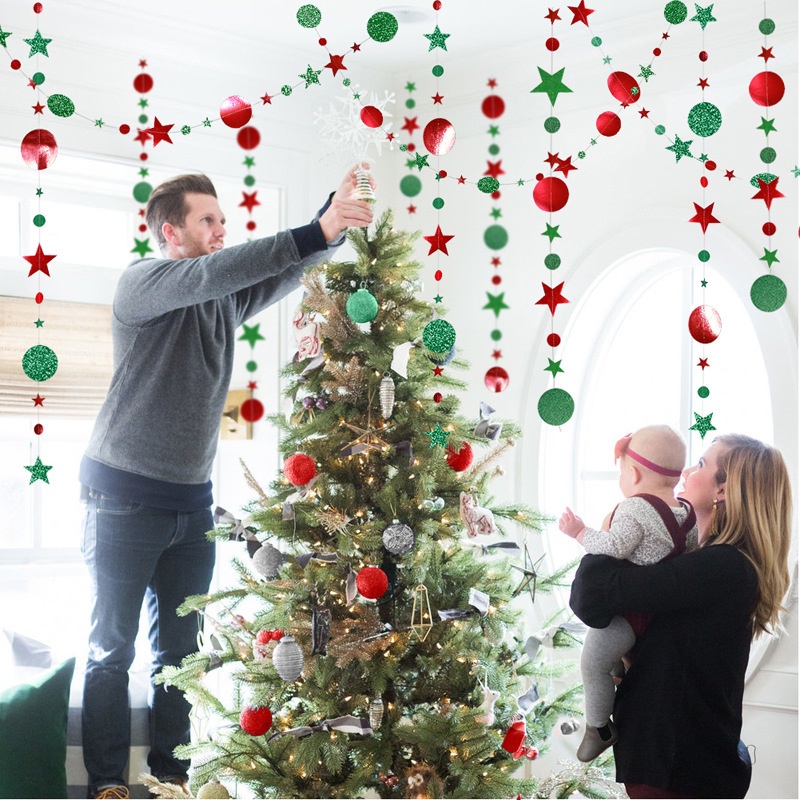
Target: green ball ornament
361,306
213,790
439,336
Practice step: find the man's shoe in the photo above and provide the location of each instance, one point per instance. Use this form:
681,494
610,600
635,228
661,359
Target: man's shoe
119,792
594,745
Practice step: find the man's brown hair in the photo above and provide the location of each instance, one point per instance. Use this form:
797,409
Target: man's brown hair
167,203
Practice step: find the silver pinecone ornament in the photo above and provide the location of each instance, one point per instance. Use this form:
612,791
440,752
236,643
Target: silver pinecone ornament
398,538
268,561
288,659
386,395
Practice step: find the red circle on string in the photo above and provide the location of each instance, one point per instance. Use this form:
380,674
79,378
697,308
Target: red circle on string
656,51
704,181
252,410
705,324
124,129
39,298
439,136
16,63
235,111
711,165
496,280
769,228
251,225
493,106
323,41
623,87
552,44
550,194
442,173
767,88
703,55
142,228
248,138
437,275
411,147
372,116
143,156
554,340
39,148
496,195
437,4
437,397
38,428
496,379
37,8
608,124
143,83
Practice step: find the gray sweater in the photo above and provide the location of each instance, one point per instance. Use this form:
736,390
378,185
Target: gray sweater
174,329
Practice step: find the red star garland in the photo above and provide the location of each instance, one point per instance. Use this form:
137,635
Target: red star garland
766,54
38,108
266,98
38,400
565,165
767,191
552,15
704,216
39,261
437,99
729,174
159,132
438,241
410,125
552,159
495,169
552,297
703,363
249,201
335,64
142,136
580,13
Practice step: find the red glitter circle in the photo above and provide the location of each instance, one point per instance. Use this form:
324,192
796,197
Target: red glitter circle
705,324
554,340
39,297
656,51
769,228
124,129
703,55
767,88
711,165
496,379
704,181
248,138
372,116
372,582
493,106
235,111
39,148
437,398
411,147
252,410
442,173
38,428
251,225
550,194
16,63
552,44
438,275
143,83
439,136
496,280
437,4
323,41
496,195
37,8
539,176
608,124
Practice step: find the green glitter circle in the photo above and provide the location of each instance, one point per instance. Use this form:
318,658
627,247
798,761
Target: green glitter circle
362,306
309,16
39,220
143,119
488,185
494,149
768,155
766,177
410,185
249,180
60,105
39,363
346,82
552,261
704,256
38,78
581,154
286,90
439,336
552,124
768,293
660,130
382,27
703,392
495,237
403,147
496,335
766,26
705,119
675,12
142,192
438,71
410,103
438,203
556,406
596,41
251,366
186,129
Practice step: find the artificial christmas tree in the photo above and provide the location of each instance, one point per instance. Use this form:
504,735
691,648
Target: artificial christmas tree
403,669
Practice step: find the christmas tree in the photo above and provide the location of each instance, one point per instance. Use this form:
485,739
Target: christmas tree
372,641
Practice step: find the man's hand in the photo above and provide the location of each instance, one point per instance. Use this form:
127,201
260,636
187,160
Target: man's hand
571,524
344,211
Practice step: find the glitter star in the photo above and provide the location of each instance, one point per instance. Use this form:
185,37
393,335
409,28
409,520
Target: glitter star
496,303
438,241
249,161
702,424
645,72
38,471
142,247
3,36
767,125
438,299
703,83
552,159
411,87
437,39
552,297
420,161
412,209
438,436
249,201
580,13
335,64
551,85
38,44
770,256
206,123
553,366
704,216
680,148
98,123
767,191
310,76
796,171
495,213
143,102
251,334
494,130
703,15
552,232
159,132
39,261
39,323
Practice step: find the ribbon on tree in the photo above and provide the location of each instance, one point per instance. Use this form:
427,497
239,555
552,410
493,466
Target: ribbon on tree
346,724
240,529
478,600
485,548
546,637
491,430
327,558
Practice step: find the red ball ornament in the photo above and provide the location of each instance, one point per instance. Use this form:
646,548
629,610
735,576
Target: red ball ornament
143,83
40,297
608,124
439,136
495,195
705,324
299,469
767,88
251,225
39,148
703,55
255,720
496,379
124,129
623,87
704,181
550,194
459,460
552,44
554,340
372,582
493,106
496,280
37,8
372,116
235,111
15,63
252,410
437,275
769,229
248,138
38,428
710,165
437,397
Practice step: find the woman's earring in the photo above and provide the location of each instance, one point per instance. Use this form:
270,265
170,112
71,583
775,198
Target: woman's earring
714,527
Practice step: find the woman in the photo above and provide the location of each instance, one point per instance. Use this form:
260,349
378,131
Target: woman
679,707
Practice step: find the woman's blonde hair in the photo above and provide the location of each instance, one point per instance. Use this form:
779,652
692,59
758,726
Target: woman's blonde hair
756,518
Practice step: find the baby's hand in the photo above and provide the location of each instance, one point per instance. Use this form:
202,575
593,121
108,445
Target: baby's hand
571,524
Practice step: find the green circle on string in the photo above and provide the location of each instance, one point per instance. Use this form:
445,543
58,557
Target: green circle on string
438,71
703,392
251,366
309,16
552,124
39,220
142,192
660,130
249,180
382,27
764,177
60,105
438,203
494,149
286,90
496,335
410,185
39,363
705,119
410,103
38,78
768,293
439,336
143,118
768,155
675,12
552,261
704,256
488,185
766,26
556,406
596,41
495,237
581,154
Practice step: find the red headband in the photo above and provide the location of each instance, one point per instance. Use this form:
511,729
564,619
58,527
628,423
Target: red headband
622,447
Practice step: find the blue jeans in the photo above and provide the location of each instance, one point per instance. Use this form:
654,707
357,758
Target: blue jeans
139,554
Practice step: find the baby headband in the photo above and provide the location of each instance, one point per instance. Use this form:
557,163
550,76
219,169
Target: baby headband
623,447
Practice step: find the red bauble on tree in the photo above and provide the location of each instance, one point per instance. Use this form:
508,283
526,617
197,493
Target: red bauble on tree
460,458
299,469
372,583
255,720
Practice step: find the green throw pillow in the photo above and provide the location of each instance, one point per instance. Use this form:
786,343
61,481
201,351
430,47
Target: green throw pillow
33,735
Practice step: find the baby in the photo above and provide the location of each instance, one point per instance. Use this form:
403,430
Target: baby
648,526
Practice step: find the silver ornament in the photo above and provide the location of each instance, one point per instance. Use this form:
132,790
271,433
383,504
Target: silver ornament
363,190
288,659
569,726
398,538
386,394
268,561
375,713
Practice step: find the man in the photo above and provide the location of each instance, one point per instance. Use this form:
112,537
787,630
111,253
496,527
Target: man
146,469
